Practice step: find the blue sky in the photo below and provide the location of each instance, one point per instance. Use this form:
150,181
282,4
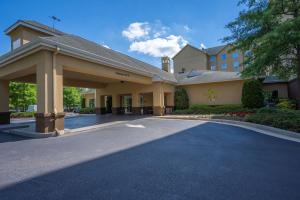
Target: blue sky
142,29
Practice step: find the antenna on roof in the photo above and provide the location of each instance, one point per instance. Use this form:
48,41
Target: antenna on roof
54,19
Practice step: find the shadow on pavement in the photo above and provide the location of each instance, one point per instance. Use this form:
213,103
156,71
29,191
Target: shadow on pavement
6,137
208,161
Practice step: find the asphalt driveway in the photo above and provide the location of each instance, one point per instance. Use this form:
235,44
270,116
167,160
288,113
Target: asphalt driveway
151,159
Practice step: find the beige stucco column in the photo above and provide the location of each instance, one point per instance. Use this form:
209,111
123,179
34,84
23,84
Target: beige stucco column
99,102
4,102
136,105
49,75
116,104
169,104
158,101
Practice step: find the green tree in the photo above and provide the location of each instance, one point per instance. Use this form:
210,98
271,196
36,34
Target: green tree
181,99
72,97
21,95
270,29
252,94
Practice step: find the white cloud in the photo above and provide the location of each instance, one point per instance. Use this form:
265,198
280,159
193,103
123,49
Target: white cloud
187,28
202,46
136,30
159,47
106,46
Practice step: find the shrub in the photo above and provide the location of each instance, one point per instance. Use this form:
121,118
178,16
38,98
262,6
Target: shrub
252,95
213,109
87,111
286,104
181,99
280,118
22,114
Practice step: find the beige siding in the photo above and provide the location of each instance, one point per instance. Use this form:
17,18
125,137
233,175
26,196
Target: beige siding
282,89
229,60
190,58
225,92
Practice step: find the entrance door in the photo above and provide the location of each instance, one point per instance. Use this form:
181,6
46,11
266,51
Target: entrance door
127,104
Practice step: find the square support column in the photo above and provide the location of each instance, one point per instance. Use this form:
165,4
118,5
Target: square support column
158,102
4,102
116,104
100,103
50,115
136,105
169,104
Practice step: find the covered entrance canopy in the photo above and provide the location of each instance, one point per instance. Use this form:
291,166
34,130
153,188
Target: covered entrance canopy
53,59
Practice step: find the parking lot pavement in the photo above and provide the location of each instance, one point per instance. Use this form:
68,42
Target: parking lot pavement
151,159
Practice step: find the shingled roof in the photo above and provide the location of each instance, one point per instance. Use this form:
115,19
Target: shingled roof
206,76
83,46
35,25
214,50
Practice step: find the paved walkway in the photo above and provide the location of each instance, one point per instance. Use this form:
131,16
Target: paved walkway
151,159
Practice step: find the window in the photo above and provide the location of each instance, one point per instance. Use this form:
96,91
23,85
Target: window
224,67
223,56
213,68
236,66
16,43
92,103
235,55
213,59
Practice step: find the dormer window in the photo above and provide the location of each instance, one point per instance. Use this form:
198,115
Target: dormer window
16,44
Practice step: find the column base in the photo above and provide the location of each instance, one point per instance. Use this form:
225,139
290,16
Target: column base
49,122
136,110
117,110
4,117
148,110
100,111
158,111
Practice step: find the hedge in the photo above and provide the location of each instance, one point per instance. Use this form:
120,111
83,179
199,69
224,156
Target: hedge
279,118
252,94
22,114
181,99
87,111
213,109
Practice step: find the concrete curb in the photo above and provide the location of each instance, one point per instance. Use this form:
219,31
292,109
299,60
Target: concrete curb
88,128
267,130
12,126
30,134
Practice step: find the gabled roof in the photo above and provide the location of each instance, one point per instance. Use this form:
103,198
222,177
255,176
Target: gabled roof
80,44
191,46
214,50
91,50
34,25
209,51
